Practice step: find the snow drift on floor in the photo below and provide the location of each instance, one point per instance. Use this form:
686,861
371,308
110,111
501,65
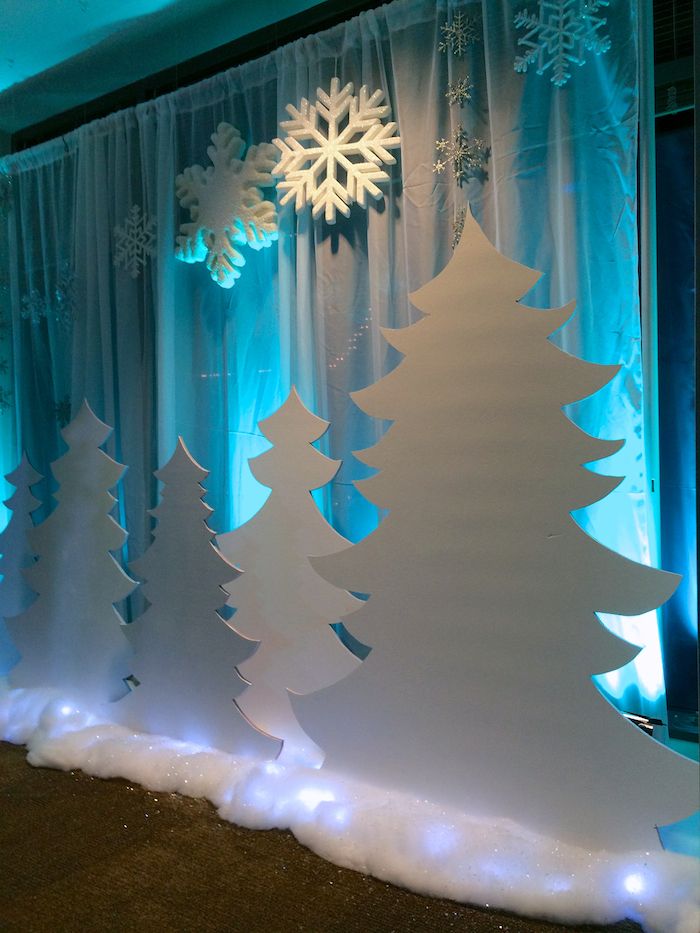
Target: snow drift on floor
393,836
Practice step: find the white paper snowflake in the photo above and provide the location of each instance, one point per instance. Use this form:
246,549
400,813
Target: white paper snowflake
341,164
467,156
226,205
458,35
135,241
559,34
459,91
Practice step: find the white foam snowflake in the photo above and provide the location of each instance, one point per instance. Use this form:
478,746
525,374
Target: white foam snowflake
467,156
135,241
458,35
559,34
341,164
226,205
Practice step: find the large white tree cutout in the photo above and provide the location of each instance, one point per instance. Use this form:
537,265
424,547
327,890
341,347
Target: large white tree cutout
70,638
185,655
281,601
477,691
226,205
333,167
17,554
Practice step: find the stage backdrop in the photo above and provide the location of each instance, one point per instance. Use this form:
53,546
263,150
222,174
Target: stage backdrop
159,350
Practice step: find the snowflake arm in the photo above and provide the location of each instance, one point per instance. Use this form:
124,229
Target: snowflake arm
226,205
342,165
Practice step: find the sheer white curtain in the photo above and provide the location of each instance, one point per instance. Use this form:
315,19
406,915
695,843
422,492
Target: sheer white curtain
171,353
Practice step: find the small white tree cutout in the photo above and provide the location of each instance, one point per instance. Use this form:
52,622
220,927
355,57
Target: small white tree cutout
15,594
185,655
483,588
70,638
281,601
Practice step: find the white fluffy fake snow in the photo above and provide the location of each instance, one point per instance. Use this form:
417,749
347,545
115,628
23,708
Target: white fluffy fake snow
392,836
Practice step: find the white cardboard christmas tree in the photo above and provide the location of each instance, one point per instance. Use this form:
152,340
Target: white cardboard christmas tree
15,594
477,691
185,655
70,638
281,601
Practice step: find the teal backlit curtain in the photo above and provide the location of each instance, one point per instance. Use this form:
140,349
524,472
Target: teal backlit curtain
170,353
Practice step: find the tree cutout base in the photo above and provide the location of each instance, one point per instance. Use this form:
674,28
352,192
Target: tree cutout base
483,590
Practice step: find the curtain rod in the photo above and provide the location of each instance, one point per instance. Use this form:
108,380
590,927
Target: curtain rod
243,49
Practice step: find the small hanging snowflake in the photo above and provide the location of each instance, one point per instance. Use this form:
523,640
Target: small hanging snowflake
62,306
135,241
33,306
341,165
226,205
58,305
559,34
468,156
458,226
458,92
62,411
5,400
458,35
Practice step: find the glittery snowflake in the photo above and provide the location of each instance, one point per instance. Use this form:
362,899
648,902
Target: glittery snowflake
226,205
5,400
135,241
467,156
62,411
459,91
458,226
559,34
57,305
458,35
341,164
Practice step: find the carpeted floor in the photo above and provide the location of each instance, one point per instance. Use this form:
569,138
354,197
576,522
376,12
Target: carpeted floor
82,855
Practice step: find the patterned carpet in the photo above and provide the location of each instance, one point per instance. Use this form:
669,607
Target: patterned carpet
82,855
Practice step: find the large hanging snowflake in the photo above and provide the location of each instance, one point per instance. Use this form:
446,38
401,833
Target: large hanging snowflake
341,164
135,241
467,156
226,205
458,35
559,34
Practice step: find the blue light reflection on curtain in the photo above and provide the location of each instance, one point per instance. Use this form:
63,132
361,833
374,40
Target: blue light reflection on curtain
170,353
